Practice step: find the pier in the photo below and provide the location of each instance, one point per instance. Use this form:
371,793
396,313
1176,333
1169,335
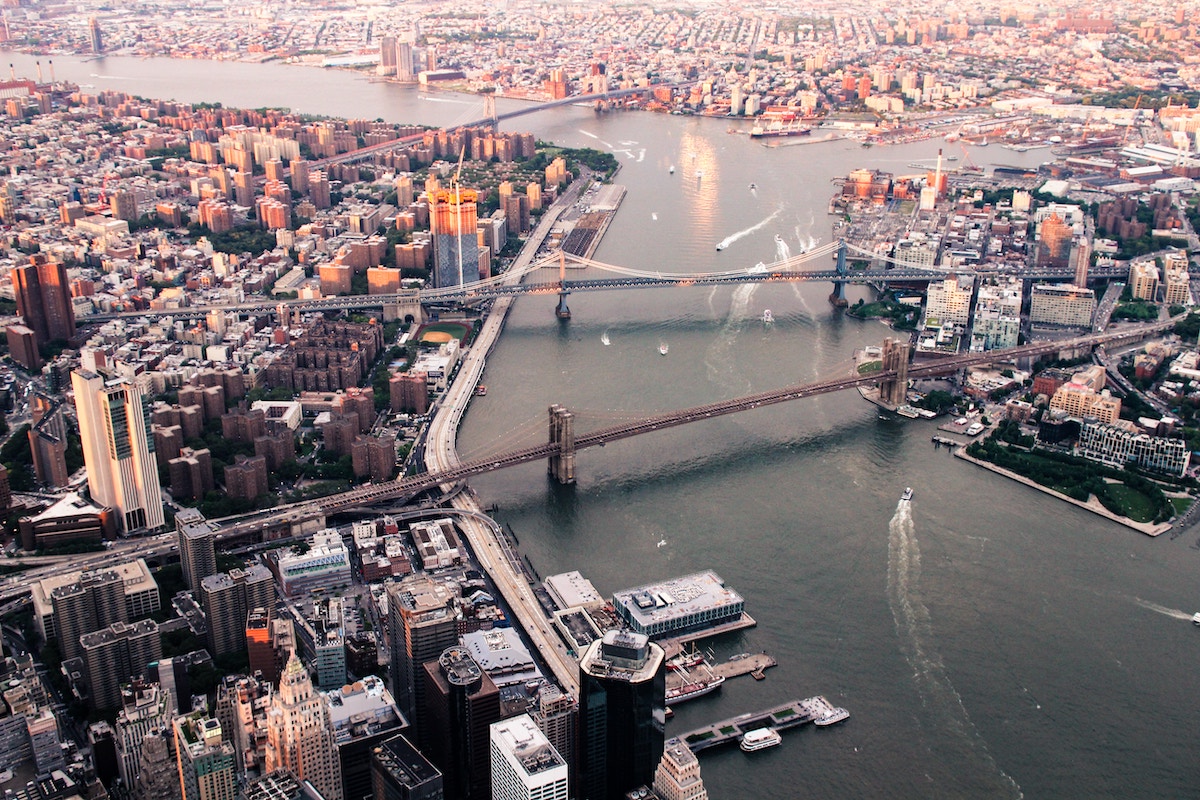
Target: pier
783,717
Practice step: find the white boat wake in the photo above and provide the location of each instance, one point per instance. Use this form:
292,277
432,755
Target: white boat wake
721,361
1173,613
742,234
914,629
604,340
782,251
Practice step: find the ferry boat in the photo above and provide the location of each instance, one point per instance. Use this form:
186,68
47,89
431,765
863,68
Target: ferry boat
694,689
834,715
760,739
768,317
907,494
776,129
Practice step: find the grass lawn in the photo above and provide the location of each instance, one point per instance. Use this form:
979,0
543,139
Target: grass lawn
441,331
1131,503
1181,504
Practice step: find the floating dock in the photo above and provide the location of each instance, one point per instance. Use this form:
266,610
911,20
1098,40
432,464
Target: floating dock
784,717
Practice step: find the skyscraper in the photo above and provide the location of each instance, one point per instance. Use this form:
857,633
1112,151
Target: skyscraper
462,703
228,598
197,554
400,772
404,61
525,766
420,627
299,734
97,40
453,222
44,299
678,774
113,427
114,655
95,601
622,714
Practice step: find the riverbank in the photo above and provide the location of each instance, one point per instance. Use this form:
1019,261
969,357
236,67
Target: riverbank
1092,504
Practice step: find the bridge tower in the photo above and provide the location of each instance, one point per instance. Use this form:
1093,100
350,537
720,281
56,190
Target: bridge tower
893,391
838,297
489,110
562,311
561,465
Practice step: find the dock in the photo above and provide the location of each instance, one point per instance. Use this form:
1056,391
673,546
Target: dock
754,664
676,645
945,440
787,716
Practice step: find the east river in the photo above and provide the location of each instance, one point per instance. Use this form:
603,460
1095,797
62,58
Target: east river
988,640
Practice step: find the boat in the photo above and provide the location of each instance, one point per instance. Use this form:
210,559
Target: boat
768,317
481,390
720,247
760,739
952,158
753,186
661,543
778,239
693,689
662,349
672,170
686,660
907,411
699,174
834,715
776,129
907,494
1196,618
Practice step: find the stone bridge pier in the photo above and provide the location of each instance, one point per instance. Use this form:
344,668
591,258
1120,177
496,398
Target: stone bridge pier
561,465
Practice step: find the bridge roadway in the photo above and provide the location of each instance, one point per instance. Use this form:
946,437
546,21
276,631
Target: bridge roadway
406,488
370,150
471,292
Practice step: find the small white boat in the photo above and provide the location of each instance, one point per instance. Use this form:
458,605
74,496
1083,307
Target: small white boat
907,494
760,739
672,170
662,349
699,173
720,247
768,317
753,186
1196,618
661,543
835,715
778,239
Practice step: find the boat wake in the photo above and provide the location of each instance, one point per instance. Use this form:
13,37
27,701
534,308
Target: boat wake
1173,613
721,361
914,629
782,251
604,340
742,234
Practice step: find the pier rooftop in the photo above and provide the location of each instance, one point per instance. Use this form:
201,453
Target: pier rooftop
679,605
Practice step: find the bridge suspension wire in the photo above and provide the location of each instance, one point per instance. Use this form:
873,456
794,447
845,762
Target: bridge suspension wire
532,430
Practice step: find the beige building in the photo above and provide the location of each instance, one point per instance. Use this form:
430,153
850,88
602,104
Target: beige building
948,302
1061,304
1080,400
1143,280
1177,285
300,737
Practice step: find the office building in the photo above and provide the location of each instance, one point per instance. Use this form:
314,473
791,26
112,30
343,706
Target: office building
158,773
525,766
679,605
299,734
461,704
145,709
113,428
557,717
48,441
1061,305
324,565
400,772
43,297
421,626
363,715
227,599
1085,402
405,63
622,711
70,521
205,761
453,223
678,774
115,655
197,553
94,35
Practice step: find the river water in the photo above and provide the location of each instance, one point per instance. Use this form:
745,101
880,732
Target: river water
987,640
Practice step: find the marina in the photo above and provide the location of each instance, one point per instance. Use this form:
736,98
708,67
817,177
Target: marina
780,718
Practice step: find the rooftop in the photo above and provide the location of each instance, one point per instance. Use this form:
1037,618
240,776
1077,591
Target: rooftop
677,597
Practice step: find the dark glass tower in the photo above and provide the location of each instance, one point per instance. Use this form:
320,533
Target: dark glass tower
622,714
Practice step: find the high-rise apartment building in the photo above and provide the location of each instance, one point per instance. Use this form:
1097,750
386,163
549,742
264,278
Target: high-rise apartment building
948,302
622,713
145,709
1061,304
114,428
43,297
453,223
95,601
405,64
115,655
158,775
228,598
420,626
557,717
204,759
197,553
299,735
462,703
997,317
525,766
